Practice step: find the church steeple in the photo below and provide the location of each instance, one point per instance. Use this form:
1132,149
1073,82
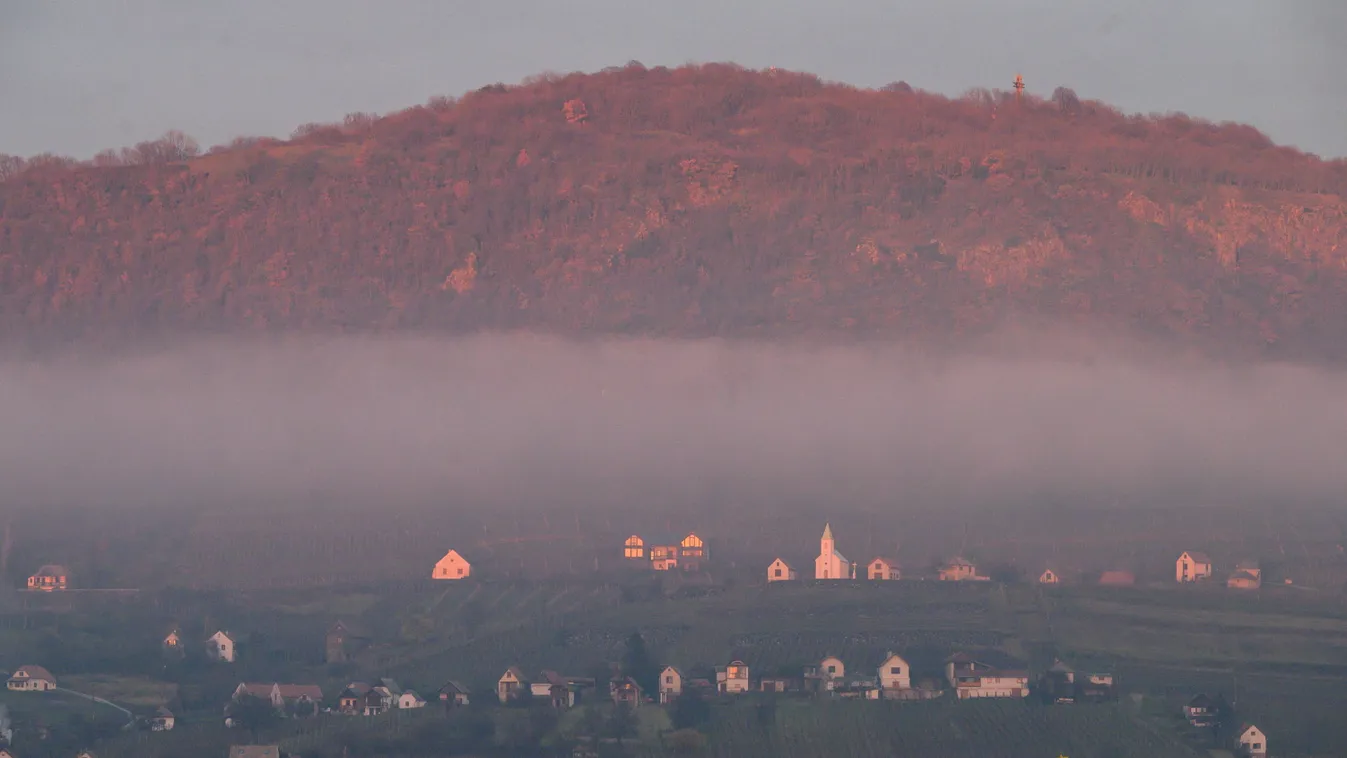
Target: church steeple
826,545
828,532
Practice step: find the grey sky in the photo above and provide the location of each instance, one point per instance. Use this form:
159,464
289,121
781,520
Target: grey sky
77,76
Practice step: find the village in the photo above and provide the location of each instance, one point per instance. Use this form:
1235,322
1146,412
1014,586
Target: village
972,674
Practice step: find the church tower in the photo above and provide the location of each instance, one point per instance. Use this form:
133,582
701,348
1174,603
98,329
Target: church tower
825,545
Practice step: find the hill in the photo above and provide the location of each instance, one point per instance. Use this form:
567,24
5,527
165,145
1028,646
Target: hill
706,200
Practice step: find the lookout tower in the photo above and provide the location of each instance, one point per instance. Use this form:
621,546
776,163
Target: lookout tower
1019,87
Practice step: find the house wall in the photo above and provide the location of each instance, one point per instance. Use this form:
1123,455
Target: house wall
452,567
902,680
779,572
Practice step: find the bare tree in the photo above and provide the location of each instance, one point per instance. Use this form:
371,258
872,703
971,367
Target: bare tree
359,123
109,158
10,166
1066,100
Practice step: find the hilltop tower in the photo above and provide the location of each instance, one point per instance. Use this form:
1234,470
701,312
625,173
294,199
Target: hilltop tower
1019,87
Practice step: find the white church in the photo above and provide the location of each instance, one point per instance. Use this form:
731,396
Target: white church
831,564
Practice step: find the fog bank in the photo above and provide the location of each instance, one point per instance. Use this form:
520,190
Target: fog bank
496,419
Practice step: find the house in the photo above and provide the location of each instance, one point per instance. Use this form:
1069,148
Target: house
1117,579
670,685
341,641
409,699
732,679
374,702
512,685
692,550
560,691
858,689
293,699
1250,741
31,679
634,548
883,569
453,694
777,684
831,670
1192,566
351,701
451,566
221,647
959,569
831,564
663,552
162,721
625,690
1200,711
780,571
173,640
1058,684
4,753
1095,688
895,674
50,578
1049,577
254,751
971,678
1247,576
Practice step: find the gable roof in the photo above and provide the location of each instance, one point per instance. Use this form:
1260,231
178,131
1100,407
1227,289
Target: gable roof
452,556
827,531
1197,556
222,633
782,561
1199,701
294,691
551,678
890,656
1246,727
412,694
514,671
664,539
53,569
674,669
890,562
453,688
163,713
33,672
959,560
1246,575
1247,566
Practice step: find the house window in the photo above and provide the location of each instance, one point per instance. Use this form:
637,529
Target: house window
460,572
777,572
668,679
832,669
896,670
1257,746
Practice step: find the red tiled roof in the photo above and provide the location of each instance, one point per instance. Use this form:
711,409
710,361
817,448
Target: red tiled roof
34,672
293,691
53,569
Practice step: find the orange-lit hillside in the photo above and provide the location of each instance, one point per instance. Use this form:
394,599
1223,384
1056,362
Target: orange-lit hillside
701,200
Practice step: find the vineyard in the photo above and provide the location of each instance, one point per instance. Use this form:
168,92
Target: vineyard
985,729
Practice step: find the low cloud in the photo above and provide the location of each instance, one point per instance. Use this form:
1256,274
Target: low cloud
531,421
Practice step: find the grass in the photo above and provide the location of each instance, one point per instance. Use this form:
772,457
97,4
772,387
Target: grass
127,691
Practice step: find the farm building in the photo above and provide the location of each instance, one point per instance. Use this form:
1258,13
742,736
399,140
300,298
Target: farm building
220,646
959,569
512,685
1247,576
634,548
453,694
625,690
1049,577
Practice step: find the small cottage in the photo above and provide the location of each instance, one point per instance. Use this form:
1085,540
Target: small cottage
1250,741
780,571
670,685
625,691
409,699
1200,711
958,569
50,578
452,566
31,679
777,684
895,674
512,685
172,640
1247,576
884,569
692,550
453,695
351,701
162,720
1049,577
1192,566
663,551
831,668
634,548
732,679
221,647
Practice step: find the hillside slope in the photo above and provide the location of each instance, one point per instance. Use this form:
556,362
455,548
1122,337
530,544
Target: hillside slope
699,201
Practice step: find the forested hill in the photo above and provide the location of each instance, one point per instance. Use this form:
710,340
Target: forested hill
694,201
